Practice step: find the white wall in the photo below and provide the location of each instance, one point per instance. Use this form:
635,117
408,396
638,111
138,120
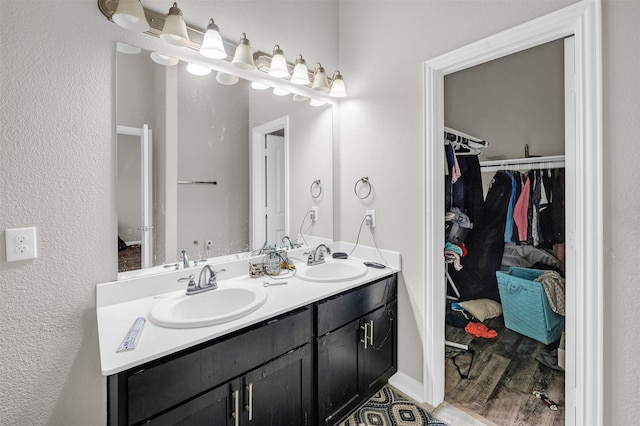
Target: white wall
57,171
511,102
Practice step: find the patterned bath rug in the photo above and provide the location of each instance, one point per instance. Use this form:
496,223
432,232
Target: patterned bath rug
387,408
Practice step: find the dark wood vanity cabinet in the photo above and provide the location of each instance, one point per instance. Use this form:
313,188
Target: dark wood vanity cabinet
237,376
356,347
307,367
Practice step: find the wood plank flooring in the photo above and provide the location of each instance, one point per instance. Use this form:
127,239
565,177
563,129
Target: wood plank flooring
503,375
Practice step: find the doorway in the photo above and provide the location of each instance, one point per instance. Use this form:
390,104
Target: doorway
270,183
135,197
584,322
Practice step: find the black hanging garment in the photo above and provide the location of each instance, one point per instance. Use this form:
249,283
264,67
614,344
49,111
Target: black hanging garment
485,245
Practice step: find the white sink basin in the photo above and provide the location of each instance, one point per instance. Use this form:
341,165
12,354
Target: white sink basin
333,270
226,303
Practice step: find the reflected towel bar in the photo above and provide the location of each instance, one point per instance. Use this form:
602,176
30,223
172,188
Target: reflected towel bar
197,182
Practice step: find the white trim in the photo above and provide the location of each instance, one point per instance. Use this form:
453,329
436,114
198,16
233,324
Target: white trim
584,321
257,171
407,385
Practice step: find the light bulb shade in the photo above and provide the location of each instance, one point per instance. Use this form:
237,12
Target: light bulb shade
127,48
175,30
278,68
316,102
130,15
300,72
162,59
226,79
280,92
243,58
299,98
212,46
197,69
259,86
320,79
337,86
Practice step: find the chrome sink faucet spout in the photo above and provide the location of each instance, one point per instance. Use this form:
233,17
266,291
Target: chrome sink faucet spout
316,257
185,259
288,240
206,281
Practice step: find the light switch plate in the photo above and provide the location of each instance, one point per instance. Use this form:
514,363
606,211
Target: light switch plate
21,244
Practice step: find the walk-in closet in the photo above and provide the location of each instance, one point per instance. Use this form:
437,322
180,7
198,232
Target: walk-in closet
504,236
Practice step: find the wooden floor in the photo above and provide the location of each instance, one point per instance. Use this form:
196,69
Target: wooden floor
504,373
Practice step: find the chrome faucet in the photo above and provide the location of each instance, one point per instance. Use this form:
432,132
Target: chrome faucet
185,258
287,239
316,257
206,281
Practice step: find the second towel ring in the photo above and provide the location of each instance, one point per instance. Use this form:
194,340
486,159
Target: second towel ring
365,181
316,189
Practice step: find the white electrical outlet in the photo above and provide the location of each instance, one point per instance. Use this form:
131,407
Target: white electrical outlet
314,213
371,218
21,244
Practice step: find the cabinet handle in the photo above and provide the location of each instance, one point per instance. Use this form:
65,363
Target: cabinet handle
250,405
236,407
365,327
371,334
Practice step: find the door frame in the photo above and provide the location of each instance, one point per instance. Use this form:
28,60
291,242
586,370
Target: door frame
584,195
257,167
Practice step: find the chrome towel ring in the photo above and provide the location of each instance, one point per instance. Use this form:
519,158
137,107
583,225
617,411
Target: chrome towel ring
365,181
316,189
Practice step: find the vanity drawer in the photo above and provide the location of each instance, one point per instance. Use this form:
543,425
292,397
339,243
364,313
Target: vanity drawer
349,306
161,384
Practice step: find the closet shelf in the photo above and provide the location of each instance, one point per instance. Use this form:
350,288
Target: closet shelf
548,162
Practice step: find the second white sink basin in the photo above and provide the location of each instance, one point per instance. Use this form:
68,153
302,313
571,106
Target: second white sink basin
333,270
226,303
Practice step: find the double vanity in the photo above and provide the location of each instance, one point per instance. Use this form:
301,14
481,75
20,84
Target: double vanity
252,351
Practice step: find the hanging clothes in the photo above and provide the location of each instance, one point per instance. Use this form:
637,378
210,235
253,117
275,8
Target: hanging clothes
521,210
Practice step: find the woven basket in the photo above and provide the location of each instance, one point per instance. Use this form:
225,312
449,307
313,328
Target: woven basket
525,305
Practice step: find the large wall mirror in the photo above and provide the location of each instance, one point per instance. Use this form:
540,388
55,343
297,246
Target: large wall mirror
213,168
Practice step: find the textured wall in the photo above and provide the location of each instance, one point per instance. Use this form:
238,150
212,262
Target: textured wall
56,173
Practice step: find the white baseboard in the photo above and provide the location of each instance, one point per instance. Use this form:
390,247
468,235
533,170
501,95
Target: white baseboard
409,386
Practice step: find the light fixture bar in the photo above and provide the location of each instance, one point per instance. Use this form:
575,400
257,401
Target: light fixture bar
196,36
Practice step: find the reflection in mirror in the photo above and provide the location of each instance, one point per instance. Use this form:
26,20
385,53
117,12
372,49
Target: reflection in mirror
188,154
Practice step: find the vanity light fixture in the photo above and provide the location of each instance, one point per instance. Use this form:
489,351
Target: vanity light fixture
259,86
212,46
280,92
300,72
320,79
243,57
300,98
162,59
278,68
316,102
175,30
197,69
226,79
337,86
129,14
127,48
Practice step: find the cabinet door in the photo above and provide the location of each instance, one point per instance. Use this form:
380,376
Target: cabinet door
338,372
214,408
379,357
279,392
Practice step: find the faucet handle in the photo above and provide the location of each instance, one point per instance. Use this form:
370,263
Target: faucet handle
192,282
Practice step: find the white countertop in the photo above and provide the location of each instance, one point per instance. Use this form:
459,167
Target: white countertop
119,303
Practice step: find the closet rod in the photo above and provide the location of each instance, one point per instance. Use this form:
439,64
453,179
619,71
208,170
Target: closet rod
536,163
451,135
